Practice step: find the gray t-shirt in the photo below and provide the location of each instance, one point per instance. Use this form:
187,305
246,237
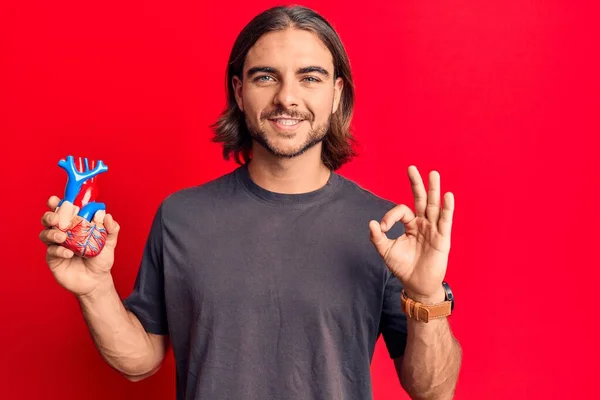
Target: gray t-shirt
266,295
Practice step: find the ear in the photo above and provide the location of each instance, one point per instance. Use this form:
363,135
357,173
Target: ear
237,90
338,87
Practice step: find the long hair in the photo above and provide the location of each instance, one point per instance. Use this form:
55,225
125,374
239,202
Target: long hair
230,128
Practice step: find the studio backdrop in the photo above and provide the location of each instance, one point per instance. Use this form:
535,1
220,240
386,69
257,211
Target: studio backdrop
499,97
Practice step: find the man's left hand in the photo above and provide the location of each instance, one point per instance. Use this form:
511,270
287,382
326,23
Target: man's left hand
419,257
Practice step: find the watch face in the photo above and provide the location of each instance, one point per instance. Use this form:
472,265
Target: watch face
449,294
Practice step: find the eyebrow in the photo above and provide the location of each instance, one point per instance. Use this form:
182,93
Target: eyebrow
305,70
313,68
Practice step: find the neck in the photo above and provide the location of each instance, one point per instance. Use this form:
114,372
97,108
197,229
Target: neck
302,174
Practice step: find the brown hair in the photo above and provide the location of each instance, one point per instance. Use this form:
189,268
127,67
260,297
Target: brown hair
230,128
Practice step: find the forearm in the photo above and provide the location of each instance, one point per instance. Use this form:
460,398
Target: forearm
431,360
118,334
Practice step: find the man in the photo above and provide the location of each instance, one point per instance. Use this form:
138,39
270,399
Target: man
264,280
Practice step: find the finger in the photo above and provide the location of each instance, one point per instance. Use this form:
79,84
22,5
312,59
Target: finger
53,202
379,238
58,251
50,219
433,198
99,217
399,213
52,236
418,189
112,229
445,224
66,212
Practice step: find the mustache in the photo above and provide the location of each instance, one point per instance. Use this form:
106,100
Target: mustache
280,111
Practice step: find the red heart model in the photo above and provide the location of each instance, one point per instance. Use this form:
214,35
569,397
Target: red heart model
86,235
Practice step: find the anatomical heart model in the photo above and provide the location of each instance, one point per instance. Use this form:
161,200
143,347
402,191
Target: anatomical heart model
80,217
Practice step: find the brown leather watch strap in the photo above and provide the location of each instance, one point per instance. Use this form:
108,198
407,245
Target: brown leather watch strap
425,313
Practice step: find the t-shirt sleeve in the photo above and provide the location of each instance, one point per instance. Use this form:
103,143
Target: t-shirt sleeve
147,301
393,319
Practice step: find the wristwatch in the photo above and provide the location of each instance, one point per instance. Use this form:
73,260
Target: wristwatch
425,313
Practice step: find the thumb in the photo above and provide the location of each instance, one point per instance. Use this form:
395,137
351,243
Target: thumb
112,228
378,237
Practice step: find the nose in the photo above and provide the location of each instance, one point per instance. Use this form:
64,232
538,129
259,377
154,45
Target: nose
286,96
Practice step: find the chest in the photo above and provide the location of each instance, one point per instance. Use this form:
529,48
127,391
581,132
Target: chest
284,265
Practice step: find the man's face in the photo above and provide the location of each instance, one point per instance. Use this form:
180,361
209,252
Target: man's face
288,92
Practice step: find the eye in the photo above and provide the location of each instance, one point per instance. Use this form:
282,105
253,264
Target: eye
311,79
263,78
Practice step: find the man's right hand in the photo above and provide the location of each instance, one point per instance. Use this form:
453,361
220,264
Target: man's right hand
81,276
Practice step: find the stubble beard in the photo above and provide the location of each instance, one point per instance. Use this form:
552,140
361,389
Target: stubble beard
315,136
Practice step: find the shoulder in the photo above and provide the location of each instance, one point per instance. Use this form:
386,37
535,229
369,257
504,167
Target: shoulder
358,195
200,196
363,205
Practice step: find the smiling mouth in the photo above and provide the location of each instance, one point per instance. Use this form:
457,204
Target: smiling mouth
286,124
286,121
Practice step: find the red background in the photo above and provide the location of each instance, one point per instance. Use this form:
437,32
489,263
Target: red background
500,97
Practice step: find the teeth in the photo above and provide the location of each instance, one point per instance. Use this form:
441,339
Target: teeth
288,121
